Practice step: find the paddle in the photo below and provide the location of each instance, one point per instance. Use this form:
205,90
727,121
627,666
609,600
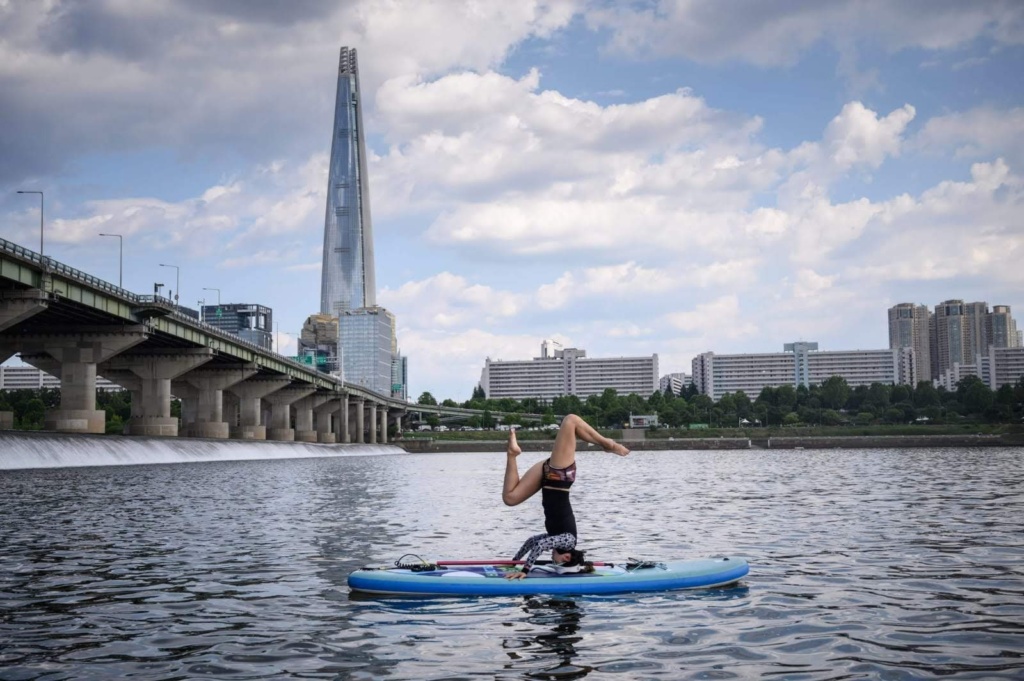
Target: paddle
445,563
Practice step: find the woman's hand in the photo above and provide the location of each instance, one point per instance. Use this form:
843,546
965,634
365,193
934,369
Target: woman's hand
516,574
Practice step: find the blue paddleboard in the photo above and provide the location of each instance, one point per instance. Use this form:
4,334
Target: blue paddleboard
489,579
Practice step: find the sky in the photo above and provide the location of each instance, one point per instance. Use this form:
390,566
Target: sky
662,177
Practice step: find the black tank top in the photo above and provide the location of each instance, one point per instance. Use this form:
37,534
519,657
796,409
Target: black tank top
558,515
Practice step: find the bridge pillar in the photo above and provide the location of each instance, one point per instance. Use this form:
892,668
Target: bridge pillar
358,434
304,408
250,393
210,383
372,409
128,381
17,306
156,369
281,411
384,426
77,354
344,432
188,394
324,432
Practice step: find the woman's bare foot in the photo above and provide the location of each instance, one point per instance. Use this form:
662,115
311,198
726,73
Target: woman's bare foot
513,446
619,449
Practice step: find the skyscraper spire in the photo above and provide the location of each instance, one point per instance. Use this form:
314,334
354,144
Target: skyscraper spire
347,280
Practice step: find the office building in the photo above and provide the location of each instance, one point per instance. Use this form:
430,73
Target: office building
318,343
25,377
366,332
368,348
400,378
559,372
801,364
248,321
909,327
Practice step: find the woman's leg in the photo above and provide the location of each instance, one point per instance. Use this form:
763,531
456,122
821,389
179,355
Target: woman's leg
573,427
515,490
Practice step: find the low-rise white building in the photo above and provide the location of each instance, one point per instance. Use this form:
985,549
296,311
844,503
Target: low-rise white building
24,377
999,367
568,372
801,364
675,381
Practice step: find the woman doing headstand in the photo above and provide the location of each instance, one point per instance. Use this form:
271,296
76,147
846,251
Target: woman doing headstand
552,478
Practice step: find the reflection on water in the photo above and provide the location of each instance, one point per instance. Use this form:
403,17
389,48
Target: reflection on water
556,623
868,564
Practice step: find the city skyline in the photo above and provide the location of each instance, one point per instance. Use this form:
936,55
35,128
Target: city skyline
633,181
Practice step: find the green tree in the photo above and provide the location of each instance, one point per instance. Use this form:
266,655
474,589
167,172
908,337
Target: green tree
974,395
834,392
427,398
478,393
925,395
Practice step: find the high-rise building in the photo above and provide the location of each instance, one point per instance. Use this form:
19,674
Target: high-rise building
949,336
248,321
347,280
367,345
909,327
568,372
1000,328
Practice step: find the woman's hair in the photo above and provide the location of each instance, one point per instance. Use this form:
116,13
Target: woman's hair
576,557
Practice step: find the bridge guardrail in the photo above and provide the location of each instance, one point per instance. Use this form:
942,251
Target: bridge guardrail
48,264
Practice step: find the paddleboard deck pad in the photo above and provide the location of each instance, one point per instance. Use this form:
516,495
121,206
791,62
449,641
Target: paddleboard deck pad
488,579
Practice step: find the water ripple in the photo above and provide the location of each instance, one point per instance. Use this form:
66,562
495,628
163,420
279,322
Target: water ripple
868,564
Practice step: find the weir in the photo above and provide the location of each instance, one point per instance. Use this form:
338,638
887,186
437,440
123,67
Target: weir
19,450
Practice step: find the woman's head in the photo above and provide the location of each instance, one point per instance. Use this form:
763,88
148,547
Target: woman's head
569,558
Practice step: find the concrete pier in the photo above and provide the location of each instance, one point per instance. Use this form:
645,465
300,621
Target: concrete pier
73,357
210,384
156,369
281,413
250,394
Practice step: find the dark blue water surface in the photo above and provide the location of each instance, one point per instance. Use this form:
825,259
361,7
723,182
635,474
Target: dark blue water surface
895,564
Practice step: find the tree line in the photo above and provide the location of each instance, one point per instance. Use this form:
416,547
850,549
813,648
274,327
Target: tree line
832,403
30,406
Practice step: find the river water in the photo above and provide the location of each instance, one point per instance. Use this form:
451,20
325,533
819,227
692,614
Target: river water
895,564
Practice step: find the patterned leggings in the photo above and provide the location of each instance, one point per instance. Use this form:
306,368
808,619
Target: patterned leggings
539,543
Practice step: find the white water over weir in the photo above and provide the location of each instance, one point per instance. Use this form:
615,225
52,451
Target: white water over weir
57,450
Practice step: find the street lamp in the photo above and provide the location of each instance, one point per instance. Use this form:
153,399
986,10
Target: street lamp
120,259
218,293
177,282
24,191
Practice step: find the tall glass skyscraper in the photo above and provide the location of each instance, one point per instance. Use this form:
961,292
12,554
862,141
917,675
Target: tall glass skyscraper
367,346
347,279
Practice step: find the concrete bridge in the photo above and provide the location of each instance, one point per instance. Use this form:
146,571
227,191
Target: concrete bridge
75,326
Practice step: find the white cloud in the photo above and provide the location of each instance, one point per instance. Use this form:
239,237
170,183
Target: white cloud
770,34
723,314
447,300
857,136
979,132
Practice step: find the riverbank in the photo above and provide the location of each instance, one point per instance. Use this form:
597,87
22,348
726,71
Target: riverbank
428,445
